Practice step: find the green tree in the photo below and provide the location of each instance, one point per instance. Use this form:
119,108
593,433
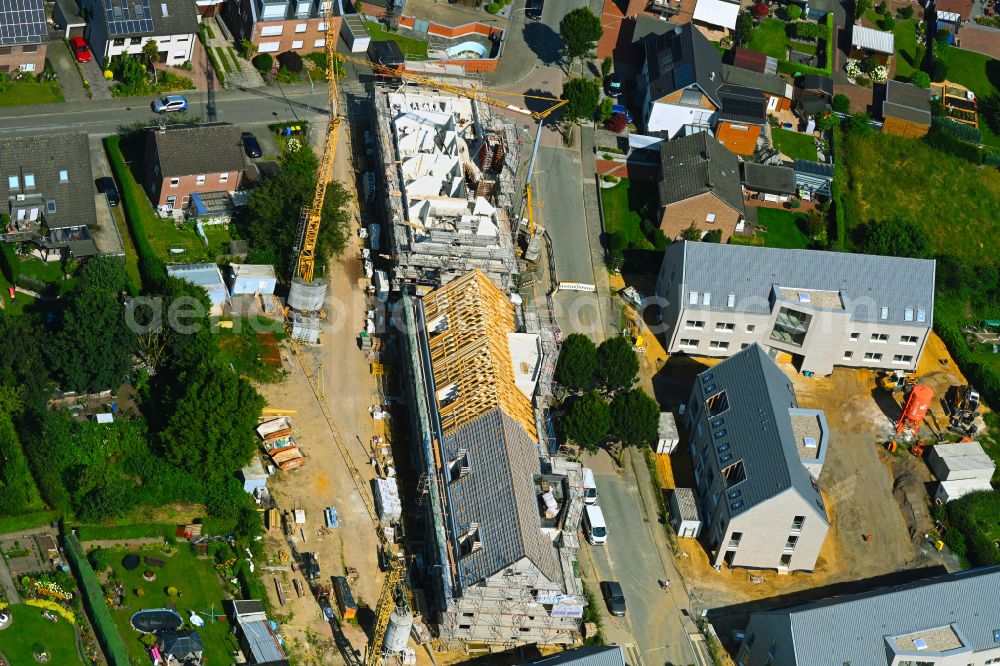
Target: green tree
920,79
588,420
17,489
635,418
582,95
270,221
841,103
210,430
605,110
713,236
150,52
692,233
92,349
794,12
617,364
606,66
989,106
577,362
580,29
895,237
827,121
744,28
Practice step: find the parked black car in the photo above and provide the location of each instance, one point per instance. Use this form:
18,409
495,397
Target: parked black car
251,145
106,186
613,597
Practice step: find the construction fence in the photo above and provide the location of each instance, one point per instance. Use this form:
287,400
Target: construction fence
93,599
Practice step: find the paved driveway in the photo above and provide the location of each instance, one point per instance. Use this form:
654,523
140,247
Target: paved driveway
980,39
66,72
100,88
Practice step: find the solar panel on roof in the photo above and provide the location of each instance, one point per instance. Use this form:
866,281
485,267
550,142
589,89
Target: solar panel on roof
683,75
21,22
123,19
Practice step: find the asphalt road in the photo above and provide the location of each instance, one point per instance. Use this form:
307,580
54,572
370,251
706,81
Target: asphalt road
103,117
633,556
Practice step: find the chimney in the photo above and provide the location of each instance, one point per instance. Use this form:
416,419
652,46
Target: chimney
163,128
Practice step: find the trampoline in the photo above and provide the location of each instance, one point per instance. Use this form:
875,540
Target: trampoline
130,562
157,619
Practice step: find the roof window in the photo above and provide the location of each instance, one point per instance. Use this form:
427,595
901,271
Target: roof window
908,314
706,298
13,182
731,301
803,297
63,176
809,442
921,315
920,643
29,181
883,313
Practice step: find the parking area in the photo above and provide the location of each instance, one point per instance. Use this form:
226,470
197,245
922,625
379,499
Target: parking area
67,74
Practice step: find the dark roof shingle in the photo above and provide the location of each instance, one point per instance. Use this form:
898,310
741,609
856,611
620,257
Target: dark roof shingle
767,178
907,102
697,164
682,57
185,150
742,104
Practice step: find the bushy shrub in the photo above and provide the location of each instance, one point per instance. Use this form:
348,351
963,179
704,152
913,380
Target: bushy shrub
760,10
291,61
841,103
958,130
794,12
263,62
906,13
921,79
806,30
493,7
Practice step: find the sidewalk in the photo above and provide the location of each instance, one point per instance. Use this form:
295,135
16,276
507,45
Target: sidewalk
592,208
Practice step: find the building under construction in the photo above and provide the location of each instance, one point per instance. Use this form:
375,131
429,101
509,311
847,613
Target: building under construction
500,534
448,168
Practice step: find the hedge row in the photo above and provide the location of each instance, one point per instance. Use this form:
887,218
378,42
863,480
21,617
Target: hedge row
151,268
793,68
979,374
27,521
93,599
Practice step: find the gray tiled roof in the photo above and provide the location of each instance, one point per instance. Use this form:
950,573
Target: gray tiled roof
610,655
186,150
45,156
696,164
867,282
682,57
759,80
758,427
498,494
907,102
768,178
852,629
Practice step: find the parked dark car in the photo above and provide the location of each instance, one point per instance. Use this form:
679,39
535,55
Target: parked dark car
106,186
251,145
533,10
613,597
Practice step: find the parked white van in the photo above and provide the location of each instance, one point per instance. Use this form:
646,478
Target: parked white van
589,486
594,526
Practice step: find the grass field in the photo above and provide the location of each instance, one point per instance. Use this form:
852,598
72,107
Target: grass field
621,204
794,144
31,92
29,629
165,235
977,72
200,589
782,228
412,48
886,177
770,38
905,40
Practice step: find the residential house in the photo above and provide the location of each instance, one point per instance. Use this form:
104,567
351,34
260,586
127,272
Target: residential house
681,78
906,110
768,183
742,117
116,28
260,644
608,655
777,92
183,160
50,192
948,620
754,61
278,26
868,42
750,444
206,276
700,186
813,178
822,308
24,35
180,647
716,19
509,584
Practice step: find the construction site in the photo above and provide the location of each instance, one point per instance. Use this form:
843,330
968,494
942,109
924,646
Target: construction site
447,173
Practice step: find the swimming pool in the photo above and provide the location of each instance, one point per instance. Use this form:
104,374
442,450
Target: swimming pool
476,48
155,619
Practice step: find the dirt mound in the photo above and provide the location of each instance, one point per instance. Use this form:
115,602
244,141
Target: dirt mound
909,487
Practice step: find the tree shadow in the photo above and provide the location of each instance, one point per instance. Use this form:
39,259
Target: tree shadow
544,42
673,381
540,105
993,72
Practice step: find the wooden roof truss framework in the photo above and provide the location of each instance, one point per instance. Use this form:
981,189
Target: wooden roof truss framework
472,353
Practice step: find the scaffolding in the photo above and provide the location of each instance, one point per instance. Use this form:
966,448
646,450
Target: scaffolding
438,236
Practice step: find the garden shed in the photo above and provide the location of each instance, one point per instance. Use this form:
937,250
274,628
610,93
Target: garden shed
867,42
685,516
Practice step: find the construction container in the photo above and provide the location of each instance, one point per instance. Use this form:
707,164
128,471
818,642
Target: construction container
274,429
345,600
387,502
668,436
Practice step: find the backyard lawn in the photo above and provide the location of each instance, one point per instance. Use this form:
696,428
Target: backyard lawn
794,144
621,204
413,48
31,92
782,228
199,590
978,72
29,629
905,39
769,38
165,235
886,177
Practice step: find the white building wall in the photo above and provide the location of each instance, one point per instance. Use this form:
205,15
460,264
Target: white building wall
672,118
178,47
